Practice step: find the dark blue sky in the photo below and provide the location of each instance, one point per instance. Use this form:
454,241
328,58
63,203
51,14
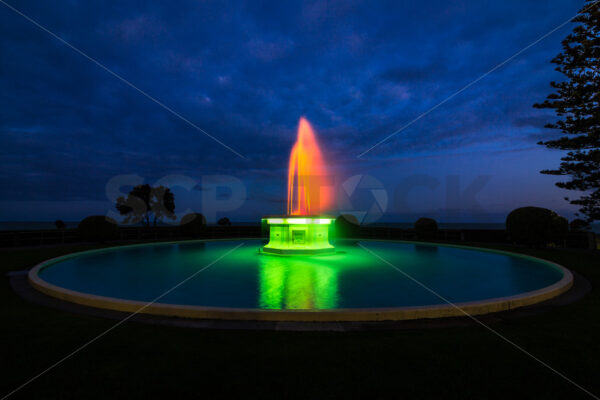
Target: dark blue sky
245,73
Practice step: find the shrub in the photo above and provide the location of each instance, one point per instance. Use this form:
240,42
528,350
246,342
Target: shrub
346,226
60,224
224,222
192,224
535,226
578,225
98,228
426,229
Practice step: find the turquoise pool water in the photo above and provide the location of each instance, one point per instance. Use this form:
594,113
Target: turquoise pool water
352,278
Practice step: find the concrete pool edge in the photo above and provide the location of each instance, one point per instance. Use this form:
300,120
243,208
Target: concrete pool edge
479,307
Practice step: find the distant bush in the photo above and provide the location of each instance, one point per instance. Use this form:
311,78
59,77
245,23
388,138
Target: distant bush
192,224
346,226
426,229
60,224
98,228
535,226
224,222
578,225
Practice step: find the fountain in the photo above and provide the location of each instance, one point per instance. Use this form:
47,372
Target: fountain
303,231
366,280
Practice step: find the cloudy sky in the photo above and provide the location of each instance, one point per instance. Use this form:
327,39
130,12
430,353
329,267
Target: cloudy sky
73,134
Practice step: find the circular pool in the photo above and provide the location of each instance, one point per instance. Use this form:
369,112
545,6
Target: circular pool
366,280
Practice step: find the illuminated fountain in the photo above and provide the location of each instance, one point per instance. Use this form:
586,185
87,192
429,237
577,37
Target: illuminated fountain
303,231
313,282
355,283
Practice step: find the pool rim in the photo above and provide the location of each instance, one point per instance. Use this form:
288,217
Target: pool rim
442,310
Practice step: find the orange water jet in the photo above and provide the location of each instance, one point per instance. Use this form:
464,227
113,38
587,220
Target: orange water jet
308,193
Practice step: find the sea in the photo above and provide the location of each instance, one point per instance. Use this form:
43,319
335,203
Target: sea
34,225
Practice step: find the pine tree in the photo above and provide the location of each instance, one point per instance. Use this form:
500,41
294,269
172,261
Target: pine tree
576,103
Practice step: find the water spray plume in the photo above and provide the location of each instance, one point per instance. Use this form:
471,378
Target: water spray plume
306,175
303,230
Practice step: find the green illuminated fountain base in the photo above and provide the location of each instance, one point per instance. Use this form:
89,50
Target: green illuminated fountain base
298,235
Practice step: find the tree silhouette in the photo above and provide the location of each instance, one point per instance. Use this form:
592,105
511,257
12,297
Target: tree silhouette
145,203
577,104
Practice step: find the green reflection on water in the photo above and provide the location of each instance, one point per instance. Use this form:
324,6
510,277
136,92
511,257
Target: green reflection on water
295,283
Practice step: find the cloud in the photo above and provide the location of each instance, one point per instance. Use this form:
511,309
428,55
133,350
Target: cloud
246,72
270,50
140,27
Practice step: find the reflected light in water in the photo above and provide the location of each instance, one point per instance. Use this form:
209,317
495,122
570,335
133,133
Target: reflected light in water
297,286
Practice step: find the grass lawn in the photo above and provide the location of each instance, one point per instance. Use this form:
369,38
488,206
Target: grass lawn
141,361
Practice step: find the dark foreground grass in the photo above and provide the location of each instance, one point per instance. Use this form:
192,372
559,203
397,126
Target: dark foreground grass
144,361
